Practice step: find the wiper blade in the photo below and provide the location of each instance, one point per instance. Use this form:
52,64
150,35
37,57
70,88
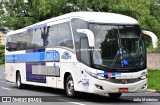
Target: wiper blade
115,58
102,66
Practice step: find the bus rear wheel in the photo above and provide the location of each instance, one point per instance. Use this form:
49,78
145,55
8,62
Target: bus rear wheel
114,95
18,81
69,86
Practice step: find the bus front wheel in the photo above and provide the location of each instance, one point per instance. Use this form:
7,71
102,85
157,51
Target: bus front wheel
69,86
114,95
18,81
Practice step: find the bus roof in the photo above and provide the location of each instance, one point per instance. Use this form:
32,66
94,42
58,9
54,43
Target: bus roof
94,17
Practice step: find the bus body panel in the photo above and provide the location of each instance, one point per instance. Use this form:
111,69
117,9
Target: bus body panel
89,82
51,81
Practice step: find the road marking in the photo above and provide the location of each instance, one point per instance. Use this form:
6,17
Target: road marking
71,102
149,92
9,83
5,88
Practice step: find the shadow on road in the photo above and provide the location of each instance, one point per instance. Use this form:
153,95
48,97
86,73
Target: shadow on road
81,97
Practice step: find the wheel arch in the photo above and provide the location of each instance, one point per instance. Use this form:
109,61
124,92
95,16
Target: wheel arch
17,71
66,75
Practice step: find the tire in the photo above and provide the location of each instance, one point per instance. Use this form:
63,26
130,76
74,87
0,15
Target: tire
115,95
69,87
18,81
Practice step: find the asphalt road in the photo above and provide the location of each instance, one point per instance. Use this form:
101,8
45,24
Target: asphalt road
58,96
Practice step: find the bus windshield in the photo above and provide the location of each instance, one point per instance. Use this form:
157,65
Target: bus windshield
118,46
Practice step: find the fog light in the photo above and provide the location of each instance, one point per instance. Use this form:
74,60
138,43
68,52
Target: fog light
144,86
99,87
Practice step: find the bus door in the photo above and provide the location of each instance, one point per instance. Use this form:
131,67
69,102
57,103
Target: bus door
85,63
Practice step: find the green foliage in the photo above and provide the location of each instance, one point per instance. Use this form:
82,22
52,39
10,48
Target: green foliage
157,50
15,14
153,79
2,47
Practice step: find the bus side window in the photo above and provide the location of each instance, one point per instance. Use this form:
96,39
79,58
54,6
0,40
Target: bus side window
16,42
78,24
8,43
64,37
52,38
29,40
84,50
37,40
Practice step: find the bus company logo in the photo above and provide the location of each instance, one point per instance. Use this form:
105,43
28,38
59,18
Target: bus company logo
124,81
52,56
66,55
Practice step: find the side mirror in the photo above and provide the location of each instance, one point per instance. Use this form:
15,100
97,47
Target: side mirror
153,37
89,34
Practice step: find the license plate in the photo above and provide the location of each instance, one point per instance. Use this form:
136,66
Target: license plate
123,90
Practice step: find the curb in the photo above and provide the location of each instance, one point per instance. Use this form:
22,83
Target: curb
151,90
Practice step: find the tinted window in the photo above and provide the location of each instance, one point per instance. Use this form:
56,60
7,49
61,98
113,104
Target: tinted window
30,40
11,46
64,37
24,41
37,38
52,36
56,35
85,56
78,24
16,42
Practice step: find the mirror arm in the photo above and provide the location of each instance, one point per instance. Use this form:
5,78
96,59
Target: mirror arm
153,37
89,34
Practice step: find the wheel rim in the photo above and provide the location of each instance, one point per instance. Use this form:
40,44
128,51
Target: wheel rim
70,87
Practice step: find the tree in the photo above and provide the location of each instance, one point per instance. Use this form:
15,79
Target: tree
15,14
145,11
2,54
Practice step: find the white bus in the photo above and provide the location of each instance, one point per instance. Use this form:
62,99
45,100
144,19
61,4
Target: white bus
91,52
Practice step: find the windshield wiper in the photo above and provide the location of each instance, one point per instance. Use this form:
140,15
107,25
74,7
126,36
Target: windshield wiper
115,58
102,66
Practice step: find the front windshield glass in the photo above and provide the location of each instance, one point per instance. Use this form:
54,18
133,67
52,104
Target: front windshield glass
118,46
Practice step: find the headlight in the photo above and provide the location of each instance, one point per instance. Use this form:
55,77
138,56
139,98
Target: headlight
144,75
101,77
95,75
91,74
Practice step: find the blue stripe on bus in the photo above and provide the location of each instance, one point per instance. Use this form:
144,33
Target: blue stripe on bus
112,74
33,57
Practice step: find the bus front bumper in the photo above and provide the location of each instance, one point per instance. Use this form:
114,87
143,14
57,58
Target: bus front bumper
102,87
